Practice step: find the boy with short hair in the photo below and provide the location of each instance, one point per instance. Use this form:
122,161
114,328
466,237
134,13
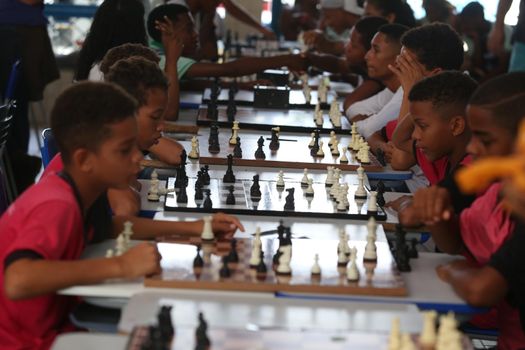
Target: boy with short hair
43,233
126,51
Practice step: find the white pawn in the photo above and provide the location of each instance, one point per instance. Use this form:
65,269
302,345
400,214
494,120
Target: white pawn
207,232
372,202
352,273
304,180
280,179
342,258
341,204
257,241
316,268
194,153
341,246
335,148
319,119
153,192
329,176
337,119
109,253
370,250
332,138
394,340
407,343
346,246
312,140
428,334
120,247
127,232
309,192
320,153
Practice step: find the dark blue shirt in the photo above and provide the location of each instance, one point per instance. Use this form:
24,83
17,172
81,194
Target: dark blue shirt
15,12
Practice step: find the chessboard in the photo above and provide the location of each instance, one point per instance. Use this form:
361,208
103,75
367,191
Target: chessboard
380,278
293,152
246,98
292,120
272,200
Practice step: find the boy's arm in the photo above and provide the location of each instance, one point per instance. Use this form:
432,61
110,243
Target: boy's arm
328,63
367,89
167,151
400,160
246,66
27,278
239,13
477,286
402,137
124,201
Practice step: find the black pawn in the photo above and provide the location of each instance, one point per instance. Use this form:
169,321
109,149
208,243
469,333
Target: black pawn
233,257
230,199
412,252
213,140
207,204
206,175
290,201
165,325
255,190
259,153
403,260
225,272
380,188
237,150
198,261
231,111
182,196
229,177
198,192
201,337
274,143
212,113
315,147
261,268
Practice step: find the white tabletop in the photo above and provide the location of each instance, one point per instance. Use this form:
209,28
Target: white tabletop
90,341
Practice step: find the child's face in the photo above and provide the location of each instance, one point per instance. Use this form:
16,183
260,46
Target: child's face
117,160
433,133
190,38
355,51
382,53
488,139
150,119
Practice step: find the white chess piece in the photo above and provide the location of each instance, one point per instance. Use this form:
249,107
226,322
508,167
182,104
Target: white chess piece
304,180
365,153
127,233
337,119
153,192
344,158
352,273
235,132
428,334
207,232
312,140
120,247
307,92
407,343
255,257
316,268
332,138
284,262
371,227
280,179
329,176
394,339
320,153
335,148
309,192
341,246
372,202
319,118
370,253
317,111
346,246
360,192
342,258
194,153
109,253
341,203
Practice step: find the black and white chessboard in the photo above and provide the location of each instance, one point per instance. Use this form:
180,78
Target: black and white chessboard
272,201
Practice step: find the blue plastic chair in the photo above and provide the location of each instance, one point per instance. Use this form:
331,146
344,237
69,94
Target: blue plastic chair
49,148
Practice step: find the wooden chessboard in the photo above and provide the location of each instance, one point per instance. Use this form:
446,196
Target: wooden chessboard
272,201
246,98
378,278
292,120
292,153
241,339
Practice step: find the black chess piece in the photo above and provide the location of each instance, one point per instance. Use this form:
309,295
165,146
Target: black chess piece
229,177
198,191
412,252
201,334
261,267
403,260
206,175
182,195
259,153
230,199
276,257
164,324
274,143
233,257
155,340
231,110
225,272
237,150
213,140
281,229
198,261
380,156
289,200
380,188
315,147
288,236
255,189
212,113
207,204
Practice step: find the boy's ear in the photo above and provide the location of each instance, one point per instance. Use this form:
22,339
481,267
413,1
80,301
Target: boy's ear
458,125
82,159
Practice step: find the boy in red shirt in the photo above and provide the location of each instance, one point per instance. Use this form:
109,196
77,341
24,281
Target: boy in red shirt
494,114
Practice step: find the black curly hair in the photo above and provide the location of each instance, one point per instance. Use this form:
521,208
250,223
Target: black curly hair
402,11
368,27
125,51
171,11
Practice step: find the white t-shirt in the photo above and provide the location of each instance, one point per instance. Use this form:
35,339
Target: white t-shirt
378,120
95,74
371,105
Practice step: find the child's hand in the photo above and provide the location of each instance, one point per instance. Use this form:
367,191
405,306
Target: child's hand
432,205
388,150
407,70
313,38
170,40
224,226
297,63
140,260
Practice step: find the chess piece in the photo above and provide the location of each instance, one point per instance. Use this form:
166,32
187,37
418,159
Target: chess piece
372,203
309,192
201,337
233,257
289,200
352,273
198,191
235,131
213,141
280,180
371,227
165,325
319,119
394,339
256,249
194,153
198,261
329,176
153,192
231,110
315,147
284,263
304,180
230,199
259,153
207,231
237,151
316,268
427,337
225,272
229,176
274,143
205,175
335,148
261,267
380,188
317,112
342,258
364,157
207,204
370,254
255,189
307,92
320,152
312,141
120,247
182,195
412,251
360,192
344,158
212,113
110,253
